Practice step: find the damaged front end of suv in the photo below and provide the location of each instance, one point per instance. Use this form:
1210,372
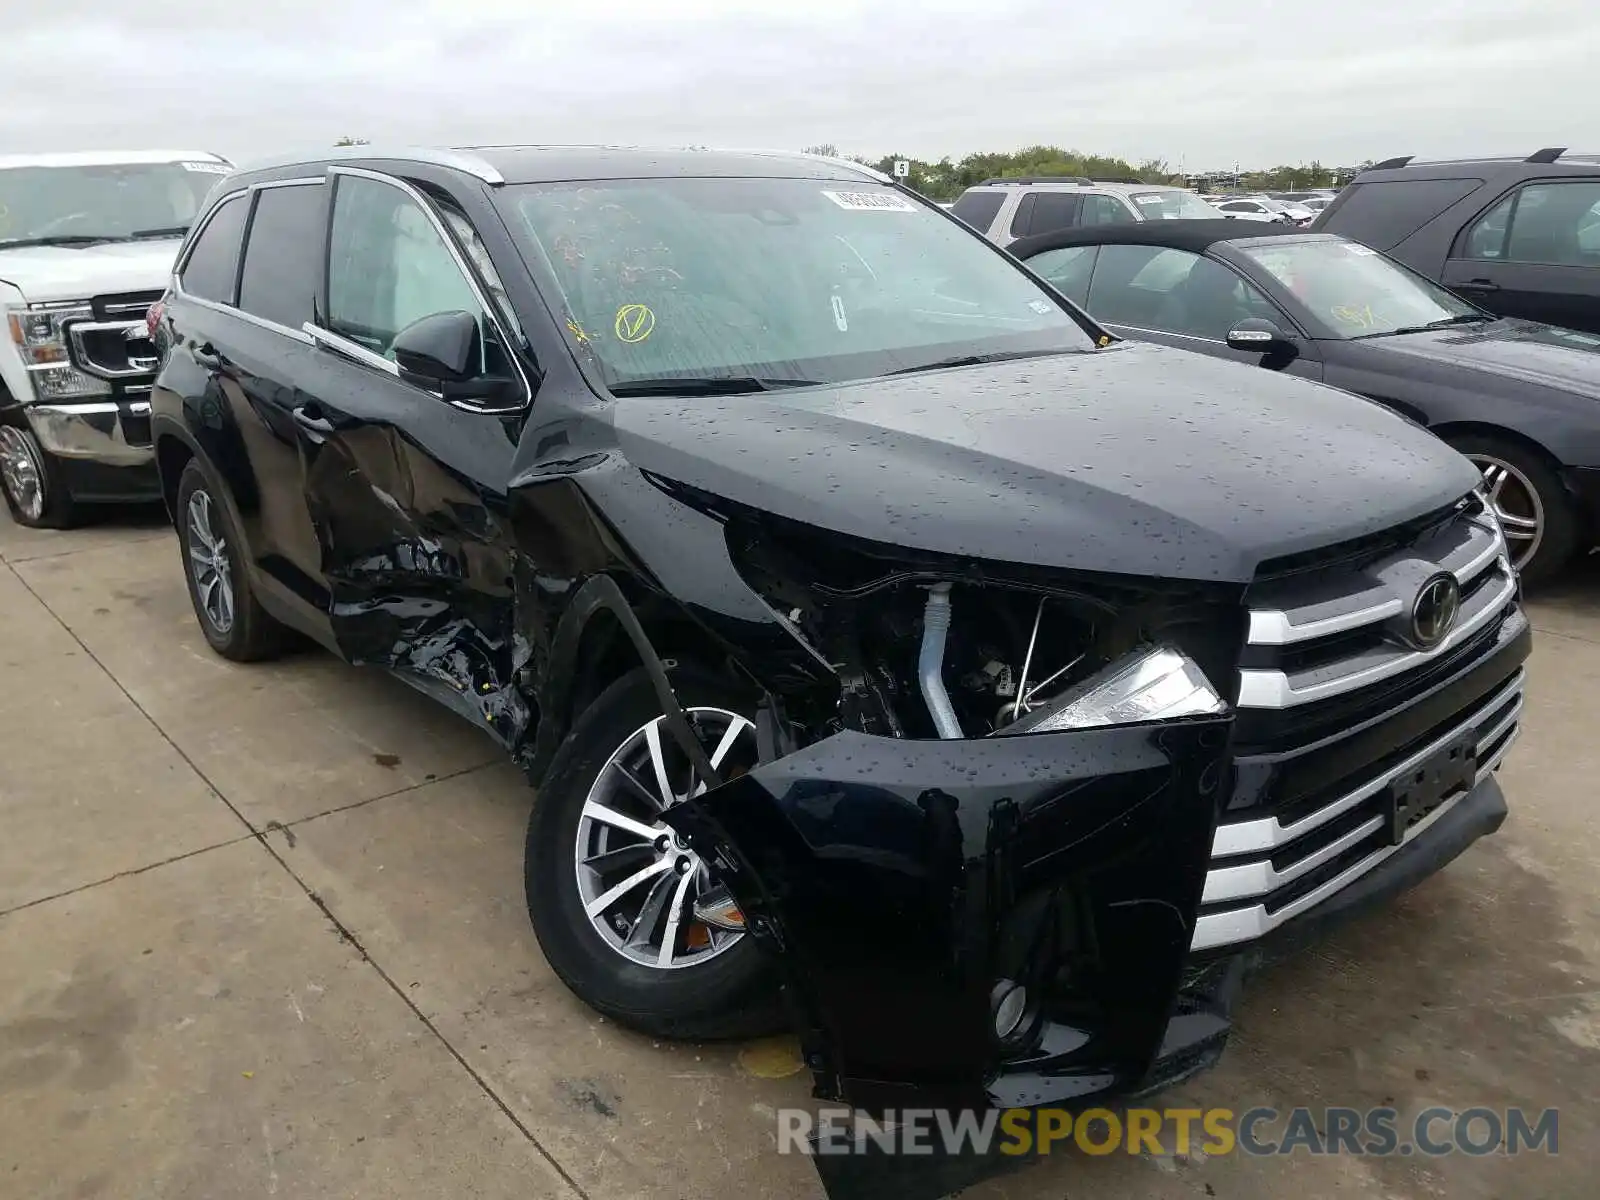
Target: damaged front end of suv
980,847
1025,808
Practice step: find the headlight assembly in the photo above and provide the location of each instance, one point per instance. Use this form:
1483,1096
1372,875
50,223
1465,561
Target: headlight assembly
40,335
1156,683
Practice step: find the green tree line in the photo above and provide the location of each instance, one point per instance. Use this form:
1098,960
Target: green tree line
948,178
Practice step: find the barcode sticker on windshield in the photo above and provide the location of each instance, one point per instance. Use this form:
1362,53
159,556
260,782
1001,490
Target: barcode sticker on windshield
207,168
1355,248
1148,199
871,201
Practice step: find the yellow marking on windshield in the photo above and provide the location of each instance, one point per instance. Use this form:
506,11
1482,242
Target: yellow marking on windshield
1350,314
634,323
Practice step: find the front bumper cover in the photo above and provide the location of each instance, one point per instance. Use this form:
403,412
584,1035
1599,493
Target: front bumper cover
898,881
114,431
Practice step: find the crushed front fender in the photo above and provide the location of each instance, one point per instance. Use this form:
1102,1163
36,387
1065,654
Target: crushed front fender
907,886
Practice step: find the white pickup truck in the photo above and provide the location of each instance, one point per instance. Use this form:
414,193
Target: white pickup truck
87,242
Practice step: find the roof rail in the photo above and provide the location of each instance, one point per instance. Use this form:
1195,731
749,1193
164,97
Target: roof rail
1548,155
1390,164
1080,180
457,159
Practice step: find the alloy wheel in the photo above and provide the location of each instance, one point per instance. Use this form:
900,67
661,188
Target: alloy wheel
210,563
22,472
638,881
1516,502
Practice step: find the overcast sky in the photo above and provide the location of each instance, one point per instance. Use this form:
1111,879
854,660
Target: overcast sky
1198,84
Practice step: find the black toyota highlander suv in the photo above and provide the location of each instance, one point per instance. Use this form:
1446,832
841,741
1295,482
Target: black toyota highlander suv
881,634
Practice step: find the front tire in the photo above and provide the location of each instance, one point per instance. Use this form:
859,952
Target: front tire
1541,522
230,616
610,890
31,478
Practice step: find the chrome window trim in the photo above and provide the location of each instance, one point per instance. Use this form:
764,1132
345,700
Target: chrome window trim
1260,688
1247,924
1266,834
339,344
467,272
235,311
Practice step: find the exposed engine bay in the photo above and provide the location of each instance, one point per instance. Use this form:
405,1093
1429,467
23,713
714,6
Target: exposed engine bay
941,649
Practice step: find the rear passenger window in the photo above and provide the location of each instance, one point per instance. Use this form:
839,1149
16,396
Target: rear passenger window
1053,211
389,266
1385,214
978,209
283,255
213,263
1104,210
1021,220
1549,223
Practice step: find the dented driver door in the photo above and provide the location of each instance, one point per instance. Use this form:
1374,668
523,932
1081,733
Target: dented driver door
407,491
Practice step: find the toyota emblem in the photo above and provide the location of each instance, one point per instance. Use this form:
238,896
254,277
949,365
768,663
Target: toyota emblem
1433,613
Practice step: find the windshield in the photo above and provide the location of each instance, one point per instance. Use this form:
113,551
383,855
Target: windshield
777,280
1174,203
1353,289
115,202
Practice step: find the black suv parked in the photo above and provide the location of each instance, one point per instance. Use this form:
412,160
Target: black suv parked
866,615
1521,237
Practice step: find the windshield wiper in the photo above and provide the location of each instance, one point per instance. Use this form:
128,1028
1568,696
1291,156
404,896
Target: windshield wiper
170,231
706,385
59,239
1443,323
972,360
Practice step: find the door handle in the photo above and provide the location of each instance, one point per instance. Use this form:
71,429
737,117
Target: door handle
309,417
1479,285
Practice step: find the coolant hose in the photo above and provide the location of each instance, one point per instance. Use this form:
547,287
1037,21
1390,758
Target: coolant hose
930,662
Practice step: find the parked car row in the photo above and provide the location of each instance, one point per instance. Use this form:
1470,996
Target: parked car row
893,643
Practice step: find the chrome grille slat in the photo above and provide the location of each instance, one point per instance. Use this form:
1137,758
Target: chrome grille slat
1260,688
1371,603
1268,833
1333,633
1246,924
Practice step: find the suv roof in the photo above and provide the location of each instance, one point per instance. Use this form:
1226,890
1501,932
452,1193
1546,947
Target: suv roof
1079,183
497,165
1550,156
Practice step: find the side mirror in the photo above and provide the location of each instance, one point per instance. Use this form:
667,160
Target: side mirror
1256,335
443,353
438,349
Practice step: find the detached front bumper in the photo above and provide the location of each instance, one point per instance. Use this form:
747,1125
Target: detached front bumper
907,886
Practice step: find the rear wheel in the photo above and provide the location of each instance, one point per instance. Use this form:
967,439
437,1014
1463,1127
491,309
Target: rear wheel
230,616
35,490
611,889
1541,522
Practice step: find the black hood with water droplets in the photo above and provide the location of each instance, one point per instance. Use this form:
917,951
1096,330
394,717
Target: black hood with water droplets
1135,459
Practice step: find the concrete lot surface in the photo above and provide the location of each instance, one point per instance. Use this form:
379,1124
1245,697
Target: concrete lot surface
262,934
